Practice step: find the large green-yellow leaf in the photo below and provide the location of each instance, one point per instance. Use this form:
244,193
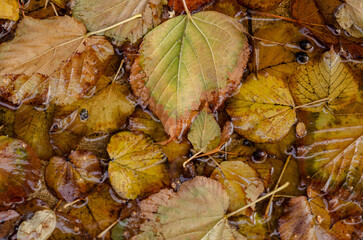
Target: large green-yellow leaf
263,109
101,14
51,60
204,133
326,77
188,60
332,155
136,166
196,211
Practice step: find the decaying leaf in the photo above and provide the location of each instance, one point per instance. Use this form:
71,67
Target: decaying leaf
40,226
100,210
262,5
7,117
350,17
51,60
204,133
181,215
136,166
69,228
32,126
263,109
9,9
105,112
185,61
331,155
326,77
300,223
97,15
19,170
193,5
73,178
242,183
8,220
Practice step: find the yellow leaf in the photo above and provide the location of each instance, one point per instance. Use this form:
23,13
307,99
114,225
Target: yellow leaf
263,109
9,9
326,77
137,165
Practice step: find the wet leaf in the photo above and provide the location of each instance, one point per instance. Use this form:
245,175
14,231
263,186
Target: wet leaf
40,226
180,215
32,126
199,58
326,77
331,155
347,230
9,9
254,227
51,60
137,165
263,109
72,179
8,220
262,5
193,5
242,183
100,211
7,121
300,223
97,15
350,17
105,112
204,132
19,170
69,228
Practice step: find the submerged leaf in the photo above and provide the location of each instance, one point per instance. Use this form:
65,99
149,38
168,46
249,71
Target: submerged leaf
8,221
40,226
181,215
350,17
262,5
204,132
326,77
72,179
19,170
188,60
51,60
136,166
101,14
193,5
263,109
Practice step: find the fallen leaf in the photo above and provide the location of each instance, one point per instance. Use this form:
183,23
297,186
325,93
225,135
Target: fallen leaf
72,179
263,109
180,215
137,165
8,221
69,228
242,183
326,77
350,17
331,155
254,227
40,226
347,230
60,3
204,133
97,15
19,170
300,223
7,117
193,5
105,112
9,9
51,60
32,126
199,58
262,5
100,210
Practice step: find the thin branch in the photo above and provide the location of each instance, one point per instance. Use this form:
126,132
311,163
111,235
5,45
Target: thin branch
191,158
104,232
317,102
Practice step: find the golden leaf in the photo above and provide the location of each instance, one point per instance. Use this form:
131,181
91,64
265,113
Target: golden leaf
9,9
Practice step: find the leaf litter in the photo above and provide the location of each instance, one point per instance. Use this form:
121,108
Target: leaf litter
274,138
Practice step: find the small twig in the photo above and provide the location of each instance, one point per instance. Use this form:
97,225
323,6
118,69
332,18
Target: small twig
104,232
191,158
313,103
56,206
71,203
54,9
277,185
284,196
118,70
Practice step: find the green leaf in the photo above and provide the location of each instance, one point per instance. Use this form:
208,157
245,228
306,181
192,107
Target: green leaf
188,60
204,133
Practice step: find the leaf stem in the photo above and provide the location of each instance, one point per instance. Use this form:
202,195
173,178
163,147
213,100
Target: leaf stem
104,232
258,200
191,158
113,26
277,185
118,70
313,103
186,9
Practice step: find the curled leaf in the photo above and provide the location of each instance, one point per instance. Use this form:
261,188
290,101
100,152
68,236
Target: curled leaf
188,60
40,226
136,166
263,109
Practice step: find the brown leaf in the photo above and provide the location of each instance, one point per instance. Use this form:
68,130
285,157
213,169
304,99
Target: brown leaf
193,5
69,228
8,220
262,5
